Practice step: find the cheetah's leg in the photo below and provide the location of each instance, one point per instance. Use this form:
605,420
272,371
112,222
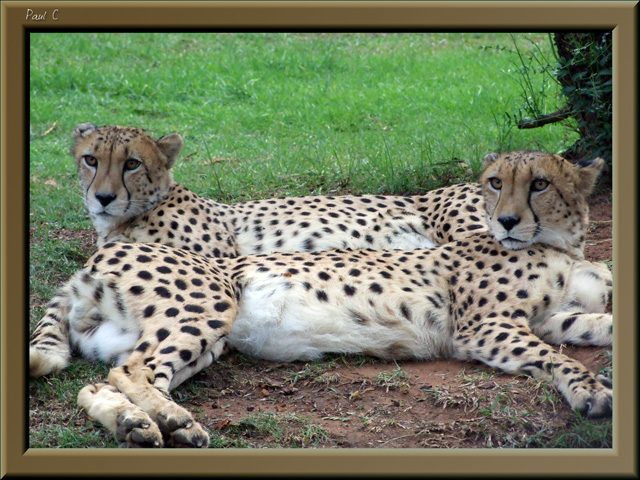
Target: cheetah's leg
590,288
202,362
601,270
49,349
131,425
148,390
577,328
512,347
163,359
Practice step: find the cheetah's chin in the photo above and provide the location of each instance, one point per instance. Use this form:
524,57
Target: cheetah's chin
515,244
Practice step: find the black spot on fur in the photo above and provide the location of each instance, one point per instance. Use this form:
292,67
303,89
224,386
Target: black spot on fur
568,322
221,306
162,334
144,275
215,324
349,290
163,292
194,308
191,330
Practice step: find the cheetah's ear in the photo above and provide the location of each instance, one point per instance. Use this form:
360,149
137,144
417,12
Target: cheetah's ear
82,130
488,159
588,172
170,145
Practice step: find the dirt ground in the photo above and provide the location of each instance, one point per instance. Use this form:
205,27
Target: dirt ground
363,403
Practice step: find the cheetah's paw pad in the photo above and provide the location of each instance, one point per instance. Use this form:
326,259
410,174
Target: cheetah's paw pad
136,430
180,429
600,404
193,437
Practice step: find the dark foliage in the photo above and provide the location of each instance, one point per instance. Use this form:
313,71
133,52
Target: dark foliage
585,74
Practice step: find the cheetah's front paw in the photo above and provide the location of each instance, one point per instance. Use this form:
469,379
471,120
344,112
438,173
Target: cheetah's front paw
180,430
596,403
192,437
600,405
131,425
136,430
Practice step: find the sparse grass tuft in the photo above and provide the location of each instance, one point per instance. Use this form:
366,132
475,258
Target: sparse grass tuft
275,430
395,379
579,433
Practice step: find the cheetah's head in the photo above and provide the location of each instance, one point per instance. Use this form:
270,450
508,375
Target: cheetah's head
123,171
536,197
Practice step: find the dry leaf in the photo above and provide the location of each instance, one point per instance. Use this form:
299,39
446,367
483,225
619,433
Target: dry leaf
50,129
222,423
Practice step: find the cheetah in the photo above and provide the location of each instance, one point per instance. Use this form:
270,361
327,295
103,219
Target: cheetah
503,297
130,196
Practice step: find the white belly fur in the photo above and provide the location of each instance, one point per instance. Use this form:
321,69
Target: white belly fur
286,324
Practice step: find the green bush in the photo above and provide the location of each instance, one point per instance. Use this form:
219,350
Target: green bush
585,74
582,68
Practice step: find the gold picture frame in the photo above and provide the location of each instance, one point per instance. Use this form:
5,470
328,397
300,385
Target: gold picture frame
20,18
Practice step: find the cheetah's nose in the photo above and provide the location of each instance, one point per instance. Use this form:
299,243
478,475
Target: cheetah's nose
508,222
105,199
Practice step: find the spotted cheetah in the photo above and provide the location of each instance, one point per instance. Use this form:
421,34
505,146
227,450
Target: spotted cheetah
503,298
130,195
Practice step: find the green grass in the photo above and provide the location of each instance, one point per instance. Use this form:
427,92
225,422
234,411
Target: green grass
281,114
284,430
55,419
580,433
265,115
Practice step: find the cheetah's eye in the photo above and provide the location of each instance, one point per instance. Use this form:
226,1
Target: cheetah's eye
90,160
539,185
132,164
496,183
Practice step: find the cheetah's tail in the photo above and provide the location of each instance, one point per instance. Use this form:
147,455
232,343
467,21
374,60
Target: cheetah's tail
49,348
